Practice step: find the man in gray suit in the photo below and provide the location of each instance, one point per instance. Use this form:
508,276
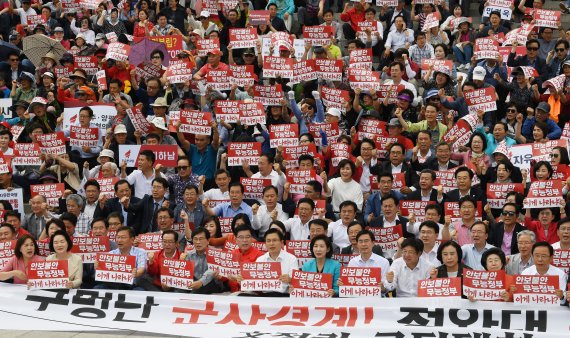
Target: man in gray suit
518,262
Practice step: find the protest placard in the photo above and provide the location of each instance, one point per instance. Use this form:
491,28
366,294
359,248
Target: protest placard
501,6
328,69
71,6
243,37
452,209
36,19
363,78
150,241
283,135
484,99
227,110
368,128
330,129
223,262
300,249
497,193
546,18
84,137
252,113
431,21
486,48
543,194
242,75
48,275
260,276
536,289
387,237
172,42
118,51
299,178
360,282
334,98
275,66
238,152
115,268
268,95
292,153
440,287
88,63
318,35
52,192
339,152
166,154
52,143
204,46
6,252
138,120
253,187
89,247
389,91
310,284
195,122
484,285
259,17
148,70
415,207
179,72
176,273
361,58
218,79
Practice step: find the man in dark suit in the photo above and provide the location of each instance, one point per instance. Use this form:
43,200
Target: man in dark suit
464,179
391,218
509,224
426,191
122,189
396,164
441,161
389,16
531,59
13,67
148,206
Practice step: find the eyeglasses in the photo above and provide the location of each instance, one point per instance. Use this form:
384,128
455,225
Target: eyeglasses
554,155
560,49
182,167
532,48
156,57
508,213
243,238
511,110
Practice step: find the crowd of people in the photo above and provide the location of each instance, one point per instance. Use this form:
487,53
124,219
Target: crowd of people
350,195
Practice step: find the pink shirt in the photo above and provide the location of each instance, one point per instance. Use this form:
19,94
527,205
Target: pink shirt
18,264
507,242
463,235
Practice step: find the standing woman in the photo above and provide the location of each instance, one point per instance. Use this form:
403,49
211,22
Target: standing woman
60,244
143,27
26,251
321,250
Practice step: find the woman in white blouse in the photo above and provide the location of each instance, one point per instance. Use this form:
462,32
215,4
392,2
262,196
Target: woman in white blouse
344,187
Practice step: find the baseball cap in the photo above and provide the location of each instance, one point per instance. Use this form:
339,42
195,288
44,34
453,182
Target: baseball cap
479,73
120,129
334,112
215,52
545,107
394,122
58,29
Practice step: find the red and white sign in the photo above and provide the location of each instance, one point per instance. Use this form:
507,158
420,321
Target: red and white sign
52,192
437,64
48,275
484,99
501,6
343,259
101,79
177,274
195,122
260,276
275,66
243,37
138,120
566,130
107,186
52,144
299,178
546,18
542,151
301,250
283,135
35,19
292,154
369,128
258,17
389,91
440,287
363,78
252,113
243,75
458,135
87,63
4,164
416,207
330,129
238,152
223,262
227,110
118,51
497,193
89,247
556,82
254,187
268,95
318,35
284,39
6,252
361,58
71,6
328,69
431,21
339,152
84,137
383,144
484,285
387,237
148,70
452,209
360,282
204,46
310,284
150,241
335,98
561,259
166,155
218,79
179,72
486,48
61,71
536,289
543,194
115,268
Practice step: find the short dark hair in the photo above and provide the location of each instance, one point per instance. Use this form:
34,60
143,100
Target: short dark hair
562,221
12,213
415,243
434,206
543,244
170,232
216,221
397,144
122,181
445,245
327,243
274,231
390,197
529,41
316,185
148,154
539,164
364,233
430,224
241,228
494,251
99,219
116,214
198,231
67,239
162,181
344,162
320,222
462,169
348,203
66,216
20,243
192,187
237,184
511,205
128,229
9,226
430,172
270,187
308,201
396,63
92,183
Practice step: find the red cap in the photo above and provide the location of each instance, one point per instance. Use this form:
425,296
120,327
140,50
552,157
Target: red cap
215,52
283,48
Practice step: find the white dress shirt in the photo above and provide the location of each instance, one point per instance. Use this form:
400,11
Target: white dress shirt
405,279
338,232
431,256
552,271
142,184
278,181
288,264
216,195
375,261
298,230
262,219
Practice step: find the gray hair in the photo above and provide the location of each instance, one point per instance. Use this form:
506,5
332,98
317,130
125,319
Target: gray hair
529,233
75,198
113,166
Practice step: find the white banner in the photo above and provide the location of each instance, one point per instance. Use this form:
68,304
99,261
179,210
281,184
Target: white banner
15,197
102,113
229,316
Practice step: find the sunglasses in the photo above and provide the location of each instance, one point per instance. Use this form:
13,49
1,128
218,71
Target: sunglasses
532,48
182,167
511,110
554,155
560,49
508,213
156,57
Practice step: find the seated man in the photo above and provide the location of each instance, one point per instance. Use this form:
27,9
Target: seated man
151,280
7,232
205,281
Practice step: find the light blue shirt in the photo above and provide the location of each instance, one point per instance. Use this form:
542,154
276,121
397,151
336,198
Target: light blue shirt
472,256
225,210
